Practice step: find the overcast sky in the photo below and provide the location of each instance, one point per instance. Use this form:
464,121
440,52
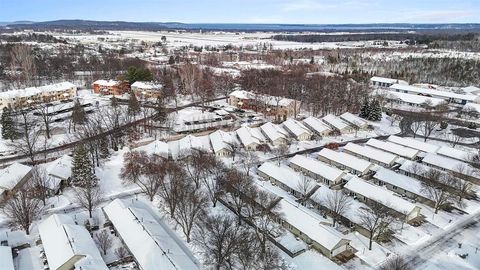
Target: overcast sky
246,11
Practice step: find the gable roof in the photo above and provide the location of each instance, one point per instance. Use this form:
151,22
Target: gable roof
394,148
316,124
296,127
380,195
156,147
11,175
152,243
415,144
310,226
62,239
317,167
345,159
335,122
371,153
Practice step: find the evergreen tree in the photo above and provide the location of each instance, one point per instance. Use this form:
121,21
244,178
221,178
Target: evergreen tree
82,170
375,111
8,126
161,111
104,153
114,102
171,60
79,117
138,74
365,110
133,104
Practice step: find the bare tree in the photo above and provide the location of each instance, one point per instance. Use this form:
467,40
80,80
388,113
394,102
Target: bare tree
305,187
338,203
454,138
434,188
219,239
171,189
395,263
104,241
190,209
29,142
212,183
41,183
197,166
147,172
262,211
239,189
248,160
89,197
464,188
121,252
429,124
22,209
280,152
22,58
44,110
376,220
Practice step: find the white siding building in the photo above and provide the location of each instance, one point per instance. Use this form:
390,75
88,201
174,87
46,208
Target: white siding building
345,161
368,192
298,130
317,170
151,242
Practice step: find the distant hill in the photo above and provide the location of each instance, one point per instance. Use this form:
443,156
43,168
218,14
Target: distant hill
153,26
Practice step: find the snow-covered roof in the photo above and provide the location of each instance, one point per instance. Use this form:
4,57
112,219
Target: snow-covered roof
276,100
32,91
399,180
61,167
432,92
11,175
269,100
414,167
242,94
446,163
273,132
106,82
146,85
250,136
455,153
394,148
156,147
354,120
184,146
414,99
317,167
221,140
470,106
371,153
310,225
316,124
6,258
415,144
335,122
380,195
296,127
62,239
471,89
345,159
283,174
387,80
153,244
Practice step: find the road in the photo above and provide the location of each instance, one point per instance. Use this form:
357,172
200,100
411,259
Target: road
420,254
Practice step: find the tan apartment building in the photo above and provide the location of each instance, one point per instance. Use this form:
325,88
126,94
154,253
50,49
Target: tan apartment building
21,98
